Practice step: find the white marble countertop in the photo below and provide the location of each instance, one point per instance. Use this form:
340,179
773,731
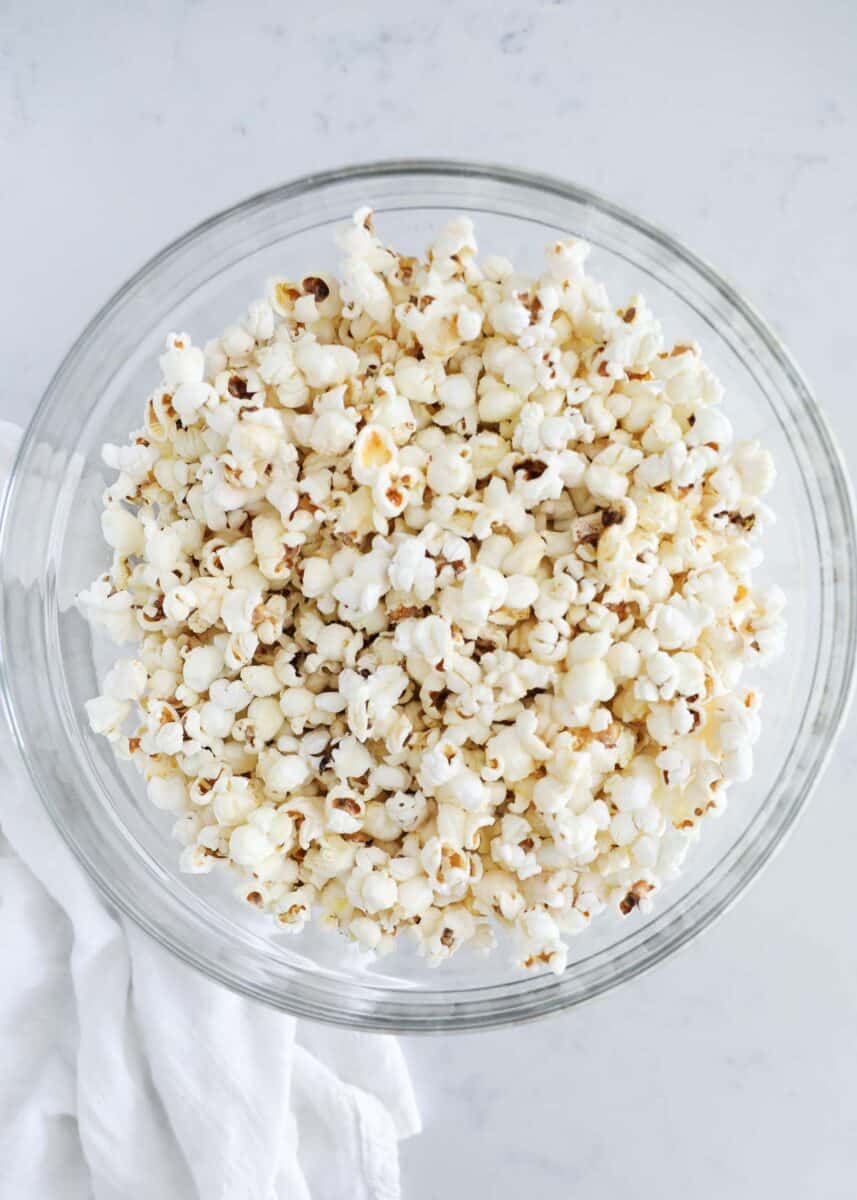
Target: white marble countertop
732,1070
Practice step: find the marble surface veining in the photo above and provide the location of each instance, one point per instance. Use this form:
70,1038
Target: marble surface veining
732,1070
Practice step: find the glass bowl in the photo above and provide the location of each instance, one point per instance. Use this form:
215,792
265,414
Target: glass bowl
52,547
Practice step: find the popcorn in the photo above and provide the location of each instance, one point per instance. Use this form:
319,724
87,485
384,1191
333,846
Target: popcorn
407,809
122,531
440,584
249,846
483,591
324,366
411,569
106,715
202,667
126,680
168,792
282,773
374,450
182,362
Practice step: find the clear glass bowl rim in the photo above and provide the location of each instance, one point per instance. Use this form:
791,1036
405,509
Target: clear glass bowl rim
411,1012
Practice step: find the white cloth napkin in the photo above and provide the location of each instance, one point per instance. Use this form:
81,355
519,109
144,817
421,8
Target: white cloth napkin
127,1076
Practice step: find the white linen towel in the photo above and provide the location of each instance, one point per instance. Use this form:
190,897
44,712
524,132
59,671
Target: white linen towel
128,1076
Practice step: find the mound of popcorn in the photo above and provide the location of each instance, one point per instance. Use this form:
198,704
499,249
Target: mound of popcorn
439,577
